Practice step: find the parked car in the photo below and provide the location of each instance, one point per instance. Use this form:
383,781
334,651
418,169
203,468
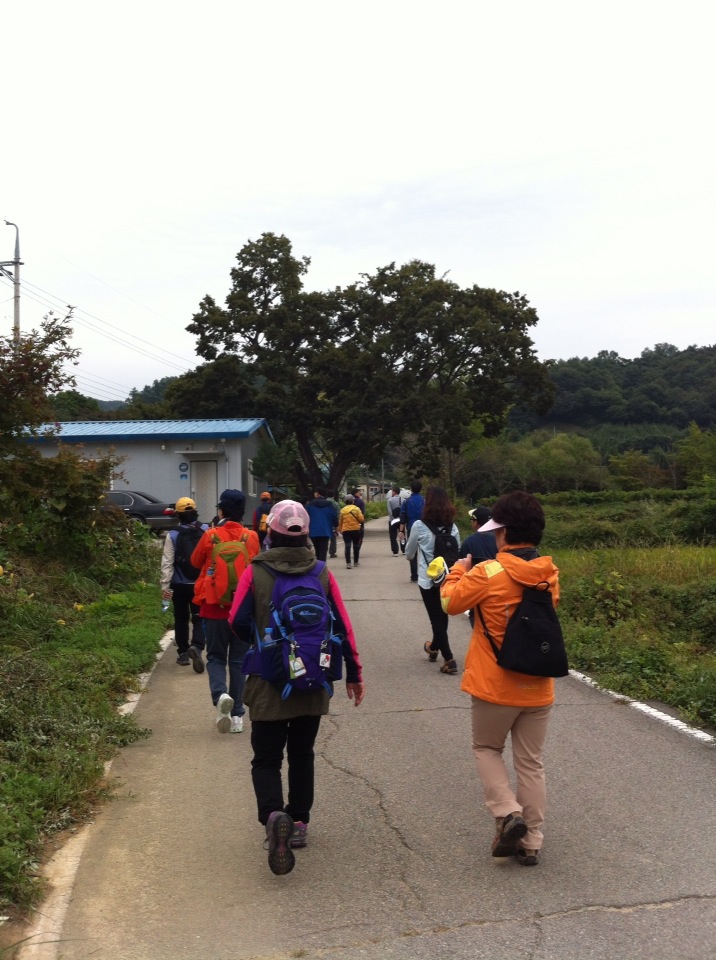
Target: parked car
143,507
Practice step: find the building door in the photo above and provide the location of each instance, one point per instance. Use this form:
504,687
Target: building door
204,487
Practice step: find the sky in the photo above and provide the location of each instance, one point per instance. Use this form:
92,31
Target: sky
560,149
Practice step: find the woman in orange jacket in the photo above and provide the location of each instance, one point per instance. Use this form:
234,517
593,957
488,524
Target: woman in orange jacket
504,701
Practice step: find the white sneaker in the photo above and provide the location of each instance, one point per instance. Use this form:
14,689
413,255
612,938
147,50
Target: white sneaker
223,709
237,725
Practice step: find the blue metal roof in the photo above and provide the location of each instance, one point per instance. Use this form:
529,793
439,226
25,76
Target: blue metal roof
108,431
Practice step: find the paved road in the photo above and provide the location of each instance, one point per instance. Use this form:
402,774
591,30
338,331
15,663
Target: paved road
398,864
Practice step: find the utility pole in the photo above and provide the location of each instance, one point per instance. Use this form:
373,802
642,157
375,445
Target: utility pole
16,263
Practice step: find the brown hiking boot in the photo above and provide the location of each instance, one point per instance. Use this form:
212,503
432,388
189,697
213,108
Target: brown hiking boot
528,858
509,831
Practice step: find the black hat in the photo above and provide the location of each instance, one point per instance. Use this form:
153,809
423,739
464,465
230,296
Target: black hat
480,514
232,501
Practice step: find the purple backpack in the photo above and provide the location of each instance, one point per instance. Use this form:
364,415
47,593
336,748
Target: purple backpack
300,651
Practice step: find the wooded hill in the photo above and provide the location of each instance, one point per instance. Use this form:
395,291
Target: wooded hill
663,386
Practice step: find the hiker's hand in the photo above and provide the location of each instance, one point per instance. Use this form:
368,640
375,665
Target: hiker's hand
465,563
166,594
355,691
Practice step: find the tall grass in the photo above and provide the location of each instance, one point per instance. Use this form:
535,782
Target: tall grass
642,621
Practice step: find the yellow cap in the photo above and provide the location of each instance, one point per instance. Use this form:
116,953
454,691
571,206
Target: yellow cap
183,504
437,570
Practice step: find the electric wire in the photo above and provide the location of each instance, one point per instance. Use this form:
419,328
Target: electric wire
47,299
58,305
107,323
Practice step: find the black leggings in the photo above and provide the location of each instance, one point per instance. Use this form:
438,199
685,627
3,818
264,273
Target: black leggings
438,621
352,537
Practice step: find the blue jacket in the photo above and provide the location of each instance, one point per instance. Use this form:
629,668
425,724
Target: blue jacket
323,517
412,509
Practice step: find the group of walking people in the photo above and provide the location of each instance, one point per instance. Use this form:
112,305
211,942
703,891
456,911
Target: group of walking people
496,562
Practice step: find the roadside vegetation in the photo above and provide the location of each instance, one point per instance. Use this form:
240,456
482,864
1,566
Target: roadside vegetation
80,615
74,643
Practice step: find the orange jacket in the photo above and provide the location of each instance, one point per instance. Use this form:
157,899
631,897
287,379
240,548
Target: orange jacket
496,585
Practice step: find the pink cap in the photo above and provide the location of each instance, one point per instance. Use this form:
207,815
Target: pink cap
289,518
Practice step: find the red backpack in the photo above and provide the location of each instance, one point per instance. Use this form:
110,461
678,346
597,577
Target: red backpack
229,559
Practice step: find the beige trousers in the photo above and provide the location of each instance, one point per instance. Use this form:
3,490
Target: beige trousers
491,722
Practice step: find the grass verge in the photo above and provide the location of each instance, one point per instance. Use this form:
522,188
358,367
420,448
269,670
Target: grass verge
58,718
642,622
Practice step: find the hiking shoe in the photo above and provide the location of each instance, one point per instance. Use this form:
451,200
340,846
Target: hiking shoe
223,709
183,660
509,831
450,667
237,725
299,837
197,661
528,858
348,566
278,831
432,654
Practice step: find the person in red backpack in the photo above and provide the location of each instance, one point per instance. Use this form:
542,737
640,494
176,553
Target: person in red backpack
222,554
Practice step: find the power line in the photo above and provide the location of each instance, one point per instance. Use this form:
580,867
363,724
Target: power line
126,390
56,304
124,333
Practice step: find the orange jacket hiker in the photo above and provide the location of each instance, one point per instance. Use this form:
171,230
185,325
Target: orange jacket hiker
496,585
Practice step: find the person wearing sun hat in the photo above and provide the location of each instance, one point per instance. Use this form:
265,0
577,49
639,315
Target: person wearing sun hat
289,724
480,545
177,579
504,701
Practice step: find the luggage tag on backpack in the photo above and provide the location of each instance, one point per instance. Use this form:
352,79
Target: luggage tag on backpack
296,666
325,661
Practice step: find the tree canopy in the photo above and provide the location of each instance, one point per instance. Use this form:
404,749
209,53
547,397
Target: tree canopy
345,373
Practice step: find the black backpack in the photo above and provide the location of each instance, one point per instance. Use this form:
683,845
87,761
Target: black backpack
446,545
184,545
533,641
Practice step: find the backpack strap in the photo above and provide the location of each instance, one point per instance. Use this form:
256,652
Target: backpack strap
487,633
435,530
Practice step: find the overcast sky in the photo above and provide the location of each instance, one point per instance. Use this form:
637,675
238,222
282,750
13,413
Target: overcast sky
561,149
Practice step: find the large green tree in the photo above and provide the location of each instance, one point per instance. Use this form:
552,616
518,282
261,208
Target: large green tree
400,353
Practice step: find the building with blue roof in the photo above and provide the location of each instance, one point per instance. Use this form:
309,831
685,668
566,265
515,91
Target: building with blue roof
171,458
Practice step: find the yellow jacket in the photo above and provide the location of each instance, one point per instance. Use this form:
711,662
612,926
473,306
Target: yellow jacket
350,518
496,585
